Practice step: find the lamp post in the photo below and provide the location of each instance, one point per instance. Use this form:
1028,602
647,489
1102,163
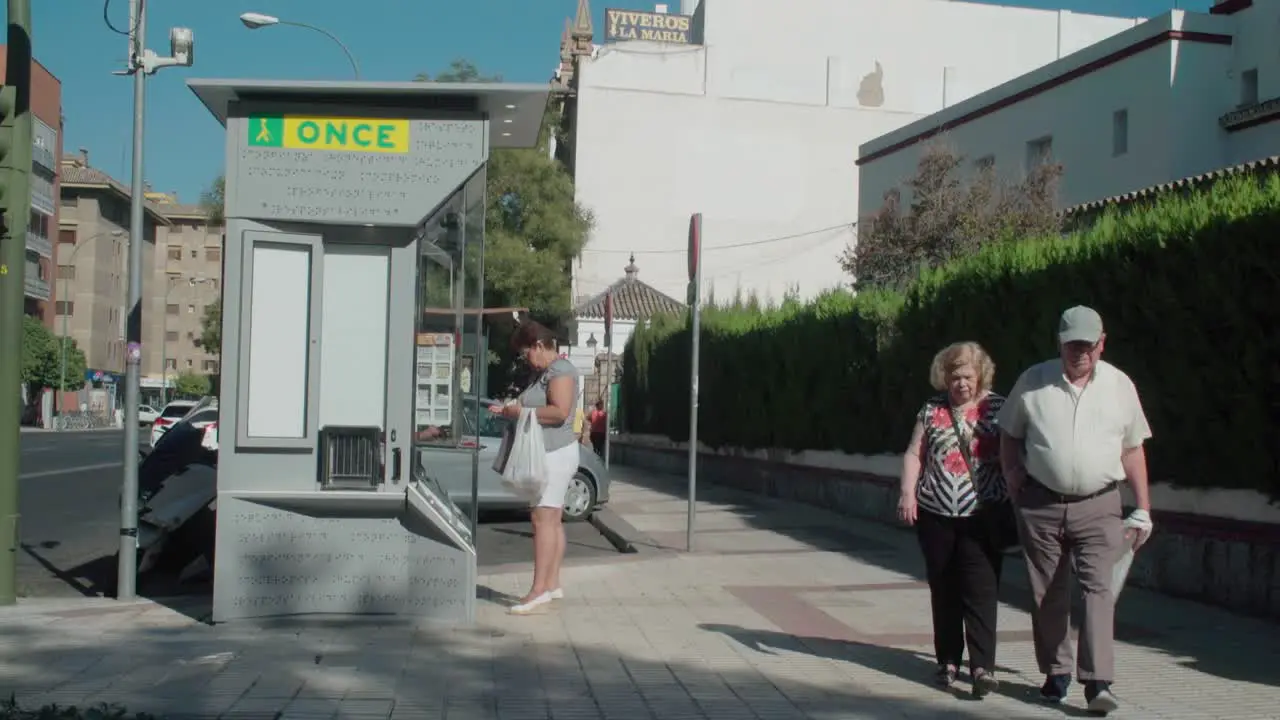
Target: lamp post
62,386
256,21
164,336
142,62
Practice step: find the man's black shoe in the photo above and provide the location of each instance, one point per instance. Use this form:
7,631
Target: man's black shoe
1054,689
1099,698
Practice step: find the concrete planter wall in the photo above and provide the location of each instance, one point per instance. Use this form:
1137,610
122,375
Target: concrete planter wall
1230,563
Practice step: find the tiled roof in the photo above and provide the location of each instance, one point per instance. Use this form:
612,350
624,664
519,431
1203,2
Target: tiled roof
1267,164
72,173
632,299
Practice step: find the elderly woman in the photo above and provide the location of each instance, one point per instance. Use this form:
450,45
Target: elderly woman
952,491
553,395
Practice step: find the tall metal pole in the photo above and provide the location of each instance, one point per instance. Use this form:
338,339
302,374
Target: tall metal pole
608,377
62,384
695,340
127,575
16,172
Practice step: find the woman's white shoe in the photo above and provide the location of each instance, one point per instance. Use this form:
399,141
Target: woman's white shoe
557,594
531,606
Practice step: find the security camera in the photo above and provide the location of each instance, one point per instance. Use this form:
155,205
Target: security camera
182,46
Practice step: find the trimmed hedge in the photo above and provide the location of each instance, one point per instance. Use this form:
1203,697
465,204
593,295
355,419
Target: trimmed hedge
1189,289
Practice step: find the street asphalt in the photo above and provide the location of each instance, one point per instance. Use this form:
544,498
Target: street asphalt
69,485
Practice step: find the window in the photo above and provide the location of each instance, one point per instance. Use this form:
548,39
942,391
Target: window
66,272
1249,88
195,254
1039,152
211,366
175,253
171,336
172,364
213,255
65,307
67,237
171,309
38,224
1119,133
191,309
984,163
189,363
70,201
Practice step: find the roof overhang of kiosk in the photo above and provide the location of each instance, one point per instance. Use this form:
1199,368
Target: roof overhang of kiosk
514,110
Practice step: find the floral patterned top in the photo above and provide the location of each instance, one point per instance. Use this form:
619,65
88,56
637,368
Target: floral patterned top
945,487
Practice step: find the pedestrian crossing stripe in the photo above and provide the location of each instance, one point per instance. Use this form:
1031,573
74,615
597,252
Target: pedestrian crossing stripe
342,134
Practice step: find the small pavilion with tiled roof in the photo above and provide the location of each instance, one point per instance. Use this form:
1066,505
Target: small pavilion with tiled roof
633,300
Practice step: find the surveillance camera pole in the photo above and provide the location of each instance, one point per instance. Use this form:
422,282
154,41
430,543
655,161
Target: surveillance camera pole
142,62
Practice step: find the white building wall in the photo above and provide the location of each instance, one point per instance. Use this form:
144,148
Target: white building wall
759,129
1174,76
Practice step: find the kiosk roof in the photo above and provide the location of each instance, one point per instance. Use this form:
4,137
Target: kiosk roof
515,109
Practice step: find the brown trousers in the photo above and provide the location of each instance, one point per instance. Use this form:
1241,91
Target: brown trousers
1056,535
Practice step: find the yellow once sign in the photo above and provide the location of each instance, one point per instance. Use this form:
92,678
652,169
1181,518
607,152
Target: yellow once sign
298,132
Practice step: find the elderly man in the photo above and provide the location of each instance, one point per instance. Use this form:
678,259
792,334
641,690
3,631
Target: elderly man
1072,430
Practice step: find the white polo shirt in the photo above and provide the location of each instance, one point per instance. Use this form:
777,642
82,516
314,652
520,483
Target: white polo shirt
1074,436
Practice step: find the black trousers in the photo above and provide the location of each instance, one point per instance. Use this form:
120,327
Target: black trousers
963,565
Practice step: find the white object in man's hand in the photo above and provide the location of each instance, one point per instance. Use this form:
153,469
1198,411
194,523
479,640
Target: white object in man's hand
1138,527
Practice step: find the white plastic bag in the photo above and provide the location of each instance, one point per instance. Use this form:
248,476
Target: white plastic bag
526,467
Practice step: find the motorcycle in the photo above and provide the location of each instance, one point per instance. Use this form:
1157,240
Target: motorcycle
177,500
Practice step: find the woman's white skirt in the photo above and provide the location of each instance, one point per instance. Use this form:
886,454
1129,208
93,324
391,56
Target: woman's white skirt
562,465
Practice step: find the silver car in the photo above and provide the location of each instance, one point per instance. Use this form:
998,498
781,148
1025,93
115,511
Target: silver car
451,467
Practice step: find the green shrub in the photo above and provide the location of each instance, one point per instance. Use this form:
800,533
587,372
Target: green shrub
1187,287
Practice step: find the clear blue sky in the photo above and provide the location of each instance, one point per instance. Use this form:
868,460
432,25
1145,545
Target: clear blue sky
392,39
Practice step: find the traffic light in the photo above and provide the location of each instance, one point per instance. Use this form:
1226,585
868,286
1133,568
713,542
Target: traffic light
8,118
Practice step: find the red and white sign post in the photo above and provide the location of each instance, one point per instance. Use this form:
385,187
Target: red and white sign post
695,340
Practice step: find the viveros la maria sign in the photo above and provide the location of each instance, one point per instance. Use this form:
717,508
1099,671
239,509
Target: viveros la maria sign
655,27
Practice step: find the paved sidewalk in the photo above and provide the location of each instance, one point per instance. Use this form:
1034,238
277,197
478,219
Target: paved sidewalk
785,612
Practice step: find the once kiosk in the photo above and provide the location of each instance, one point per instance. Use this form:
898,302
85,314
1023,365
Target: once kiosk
355,215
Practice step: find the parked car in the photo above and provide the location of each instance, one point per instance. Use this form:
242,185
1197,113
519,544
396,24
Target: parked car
147,414
168,417
451,468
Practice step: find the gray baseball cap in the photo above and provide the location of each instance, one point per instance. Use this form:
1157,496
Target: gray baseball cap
1079,324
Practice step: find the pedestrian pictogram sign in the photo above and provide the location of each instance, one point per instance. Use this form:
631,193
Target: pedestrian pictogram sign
297,132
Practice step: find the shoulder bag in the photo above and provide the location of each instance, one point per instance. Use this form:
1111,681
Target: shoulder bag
1004,525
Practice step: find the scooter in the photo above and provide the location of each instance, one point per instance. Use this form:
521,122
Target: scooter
177,501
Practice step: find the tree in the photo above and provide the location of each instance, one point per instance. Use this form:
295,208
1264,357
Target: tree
948,217
460,71
42,359
214,201
211,328
191,385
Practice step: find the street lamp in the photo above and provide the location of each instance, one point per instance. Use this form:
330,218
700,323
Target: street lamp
591,345
62,386
256,21
164,335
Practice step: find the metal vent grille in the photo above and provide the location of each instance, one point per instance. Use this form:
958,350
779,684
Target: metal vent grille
350,458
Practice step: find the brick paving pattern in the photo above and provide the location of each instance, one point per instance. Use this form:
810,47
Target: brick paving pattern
784,612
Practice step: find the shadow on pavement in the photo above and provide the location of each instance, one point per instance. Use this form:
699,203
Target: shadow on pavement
908,665
373,668
1201,637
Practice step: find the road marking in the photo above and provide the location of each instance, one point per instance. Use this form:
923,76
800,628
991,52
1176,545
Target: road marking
70,470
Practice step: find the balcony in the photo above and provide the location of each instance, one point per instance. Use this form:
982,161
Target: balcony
41,246
35,287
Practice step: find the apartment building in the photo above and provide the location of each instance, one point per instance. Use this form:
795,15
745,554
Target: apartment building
188,261
92,256
1182,94
46,107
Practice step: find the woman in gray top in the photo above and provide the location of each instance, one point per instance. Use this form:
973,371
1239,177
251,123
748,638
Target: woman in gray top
554,397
